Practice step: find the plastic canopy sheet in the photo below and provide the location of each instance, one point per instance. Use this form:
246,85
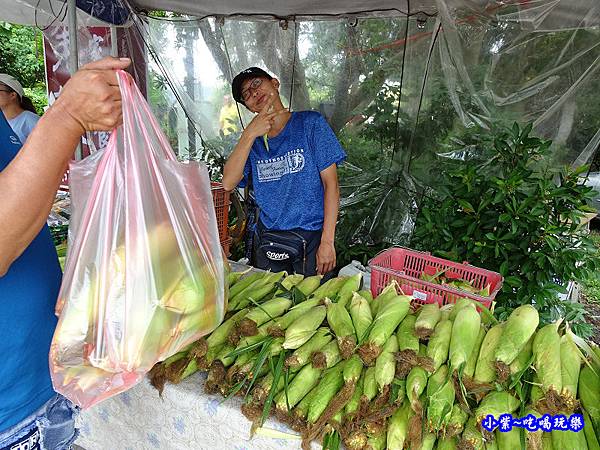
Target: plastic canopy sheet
145,274
403,93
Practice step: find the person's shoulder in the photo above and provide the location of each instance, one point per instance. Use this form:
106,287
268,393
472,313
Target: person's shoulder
311,116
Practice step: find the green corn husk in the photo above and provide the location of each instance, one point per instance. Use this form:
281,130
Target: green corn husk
385,364
352,369
439,408
472,437
518,329
263,313
428,441
211,355
330,384
340,322
437,380
397,432
464,337
245,282
427,318
219,336
330,288
306,379
485,370
589,394
406,334
376,441
289,282
327,357
280,324
416,381
496,403
570,366
366,295
360,312
301,409
309,284
448,443
469,369
547,443
191,368
234,277
523,358
224,355
303,328
388,292
253,296
510,440
458,307
546,354
348,289
370,384
456,423
352,406
536,393
302,355
591,435
533,439
391,312
439,343
568,439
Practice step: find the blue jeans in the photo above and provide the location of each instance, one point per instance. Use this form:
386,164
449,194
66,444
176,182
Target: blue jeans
52,427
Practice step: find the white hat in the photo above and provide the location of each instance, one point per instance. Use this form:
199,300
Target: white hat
12,83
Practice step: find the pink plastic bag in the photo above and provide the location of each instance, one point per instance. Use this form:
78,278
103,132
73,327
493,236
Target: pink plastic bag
145,273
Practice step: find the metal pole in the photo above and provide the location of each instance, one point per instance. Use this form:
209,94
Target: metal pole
114,48
73,50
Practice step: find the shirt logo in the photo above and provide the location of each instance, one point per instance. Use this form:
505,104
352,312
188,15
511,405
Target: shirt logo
14,140
274,256
274,169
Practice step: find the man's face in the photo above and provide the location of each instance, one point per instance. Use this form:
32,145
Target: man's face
255,92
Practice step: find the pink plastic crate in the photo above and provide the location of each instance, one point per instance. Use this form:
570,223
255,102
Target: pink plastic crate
406,266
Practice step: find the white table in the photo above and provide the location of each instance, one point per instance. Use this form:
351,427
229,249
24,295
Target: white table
184,419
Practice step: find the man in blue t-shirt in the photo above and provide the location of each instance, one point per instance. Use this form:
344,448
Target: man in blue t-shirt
30,411
292,161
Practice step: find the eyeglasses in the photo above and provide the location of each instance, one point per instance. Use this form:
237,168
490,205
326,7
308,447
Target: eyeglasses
255,84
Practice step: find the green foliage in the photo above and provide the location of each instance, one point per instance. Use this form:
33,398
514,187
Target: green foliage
510,212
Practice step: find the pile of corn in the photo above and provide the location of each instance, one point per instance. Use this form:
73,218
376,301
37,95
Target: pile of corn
338,366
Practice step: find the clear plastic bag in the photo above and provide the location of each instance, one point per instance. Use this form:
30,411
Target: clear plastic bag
145,273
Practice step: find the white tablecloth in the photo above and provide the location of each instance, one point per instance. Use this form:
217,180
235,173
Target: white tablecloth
185,418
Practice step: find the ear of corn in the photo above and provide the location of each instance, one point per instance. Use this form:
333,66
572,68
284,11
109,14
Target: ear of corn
385,364
366,294
589,394
268,310
469,369
329,385
508,440
224,355
352,369
485,370
301,355
351,285
234,277
330,288
340,322
519,327
496,403
441,394
448,443
439,343
397,432
464,337
533,439
457,421
458,306
219,336
471,437
547,443
303,382
437,380
352,406
376,441
570,440
546,353
283,322
360,312
370,384
591,435
388,292
252,296
289,282
243,283
309,284
428,441
328,356
416,381
391,312
303,328
523,358
406,334
427,318
570,366
301,409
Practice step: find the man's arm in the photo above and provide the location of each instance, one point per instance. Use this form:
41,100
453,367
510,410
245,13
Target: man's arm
326,257
90,101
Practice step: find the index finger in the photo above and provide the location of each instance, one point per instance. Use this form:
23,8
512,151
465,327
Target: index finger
108,63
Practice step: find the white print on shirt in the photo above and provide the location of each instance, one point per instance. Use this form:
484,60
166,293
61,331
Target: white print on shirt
274,169
14,140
